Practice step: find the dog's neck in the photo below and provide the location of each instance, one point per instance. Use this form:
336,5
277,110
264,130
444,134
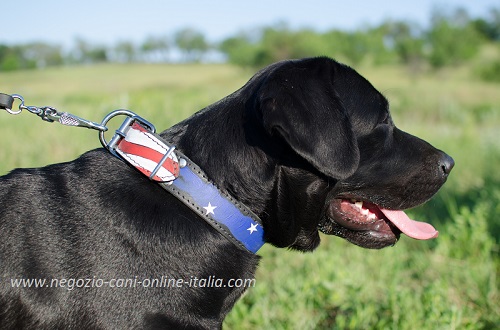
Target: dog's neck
251,173
196,139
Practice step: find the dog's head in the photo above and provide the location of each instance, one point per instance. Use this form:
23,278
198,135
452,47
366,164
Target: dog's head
346,169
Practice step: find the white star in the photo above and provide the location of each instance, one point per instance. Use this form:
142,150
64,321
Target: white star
253,227
210,209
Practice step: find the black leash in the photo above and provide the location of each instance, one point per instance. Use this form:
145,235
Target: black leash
6,102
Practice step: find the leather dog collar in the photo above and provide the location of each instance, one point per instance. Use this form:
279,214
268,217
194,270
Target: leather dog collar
136,143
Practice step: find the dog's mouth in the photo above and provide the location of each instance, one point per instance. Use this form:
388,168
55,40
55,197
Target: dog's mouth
369,225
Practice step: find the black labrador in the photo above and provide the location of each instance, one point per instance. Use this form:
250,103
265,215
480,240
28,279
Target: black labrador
308,145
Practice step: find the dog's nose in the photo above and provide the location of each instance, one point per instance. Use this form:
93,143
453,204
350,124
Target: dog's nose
446,163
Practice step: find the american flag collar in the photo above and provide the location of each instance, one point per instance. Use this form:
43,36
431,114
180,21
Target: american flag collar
136,143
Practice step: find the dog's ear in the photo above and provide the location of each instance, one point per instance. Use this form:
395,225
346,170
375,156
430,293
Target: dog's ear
298,102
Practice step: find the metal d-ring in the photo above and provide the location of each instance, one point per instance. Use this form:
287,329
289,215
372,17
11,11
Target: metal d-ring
122,131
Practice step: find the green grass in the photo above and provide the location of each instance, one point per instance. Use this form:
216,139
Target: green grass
447,283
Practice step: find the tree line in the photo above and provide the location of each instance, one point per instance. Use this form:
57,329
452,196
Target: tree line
451,38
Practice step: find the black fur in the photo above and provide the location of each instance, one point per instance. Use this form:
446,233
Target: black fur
299,136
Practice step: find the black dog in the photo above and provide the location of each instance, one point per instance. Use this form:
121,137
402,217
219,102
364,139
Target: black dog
307,145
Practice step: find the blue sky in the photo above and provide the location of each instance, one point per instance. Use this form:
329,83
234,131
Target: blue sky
107,22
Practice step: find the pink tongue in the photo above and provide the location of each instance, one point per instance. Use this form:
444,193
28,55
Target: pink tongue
412,228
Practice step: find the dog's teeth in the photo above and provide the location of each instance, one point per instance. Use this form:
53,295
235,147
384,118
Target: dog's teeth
359,205
365,211
372,216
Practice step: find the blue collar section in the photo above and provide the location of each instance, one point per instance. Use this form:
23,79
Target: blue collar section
231,218
136,143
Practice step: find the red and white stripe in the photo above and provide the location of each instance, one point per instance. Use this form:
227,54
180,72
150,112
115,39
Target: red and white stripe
144,150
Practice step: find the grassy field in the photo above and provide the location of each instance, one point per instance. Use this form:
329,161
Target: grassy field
447,283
